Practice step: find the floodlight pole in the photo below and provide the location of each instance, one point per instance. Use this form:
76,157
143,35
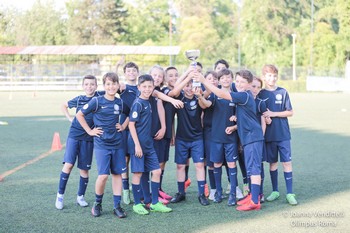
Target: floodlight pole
294,59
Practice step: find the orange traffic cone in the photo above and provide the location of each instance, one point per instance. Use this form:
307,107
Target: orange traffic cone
56,142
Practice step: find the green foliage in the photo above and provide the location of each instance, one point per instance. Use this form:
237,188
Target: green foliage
260,33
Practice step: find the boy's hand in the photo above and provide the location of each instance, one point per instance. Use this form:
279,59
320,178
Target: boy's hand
119,127
160,134
138,151
198,91
177,103
97,131
233,118
121,61
269,113
230,129
268,120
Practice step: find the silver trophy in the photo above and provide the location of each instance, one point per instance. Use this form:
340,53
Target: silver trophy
192,55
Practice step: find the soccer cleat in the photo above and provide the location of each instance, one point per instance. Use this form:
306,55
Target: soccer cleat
59,201
126,196
239,193
290,197
245,189
228,189
96,209
212,194
178,197
218,197
262,198
162,200
203,200
159,207
249,206
206,190
245,200
187,183
81,201
273,196
119,212
140,209
231,200
164,195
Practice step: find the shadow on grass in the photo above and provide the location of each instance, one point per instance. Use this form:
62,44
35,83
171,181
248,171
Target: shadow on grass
320,168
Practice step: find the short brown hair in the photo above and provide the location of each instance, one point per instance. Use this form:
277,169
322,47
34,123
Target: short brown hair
269,69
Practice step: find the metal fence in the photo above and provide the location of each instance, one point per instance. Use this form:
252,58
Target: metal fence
69,76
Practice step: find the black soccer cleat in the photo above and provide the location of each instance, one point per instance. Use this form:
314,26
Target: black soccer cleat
178,197
203,200
231,200
96,209
119,212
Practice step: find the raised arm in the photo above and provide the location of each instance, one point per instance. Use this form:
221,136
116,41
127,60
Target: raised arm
162,96
218,92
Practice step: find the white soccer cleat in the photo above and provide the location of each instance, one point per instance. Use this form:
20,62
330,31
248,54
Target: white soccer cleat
59,201
81,201
239,194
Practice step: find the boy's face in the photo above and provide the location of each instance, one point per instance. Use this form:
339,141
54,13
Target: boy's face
219,67
111,87
255,87
213,80
89,86
270,79
242,84
226,81
146,89
131,73
188,90
171,77
158,77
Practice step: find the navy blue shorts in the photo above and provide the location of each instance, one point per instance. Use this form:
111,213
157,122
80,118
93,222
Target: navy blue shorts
160,146
80,149
110,161
183,149
219,152
253,157
283,148
147,163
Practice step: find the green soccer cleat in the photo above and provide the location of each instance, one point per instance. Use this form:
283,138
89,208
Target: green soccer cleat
126,196
290,197
140,209
273,196
160,207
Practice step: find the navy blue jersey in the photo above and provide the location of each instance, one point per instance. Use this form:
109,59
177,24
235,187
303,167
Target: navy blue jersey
141,114
189,126
170,111
76,131
249,129
260,108
128,96
207,119
155,115
277,101
223,110
106,114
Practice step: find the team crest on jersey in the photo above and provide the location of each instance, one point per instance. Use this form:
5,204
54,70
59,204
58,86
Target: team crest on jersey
86,106
278,99
193,104
134,115
116,109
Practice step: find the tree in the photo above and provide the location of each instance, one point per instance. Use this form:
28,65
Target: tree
96,21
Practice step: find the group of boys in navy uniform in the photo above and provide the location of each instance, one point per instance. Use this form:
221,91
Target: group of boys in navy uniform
240,123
